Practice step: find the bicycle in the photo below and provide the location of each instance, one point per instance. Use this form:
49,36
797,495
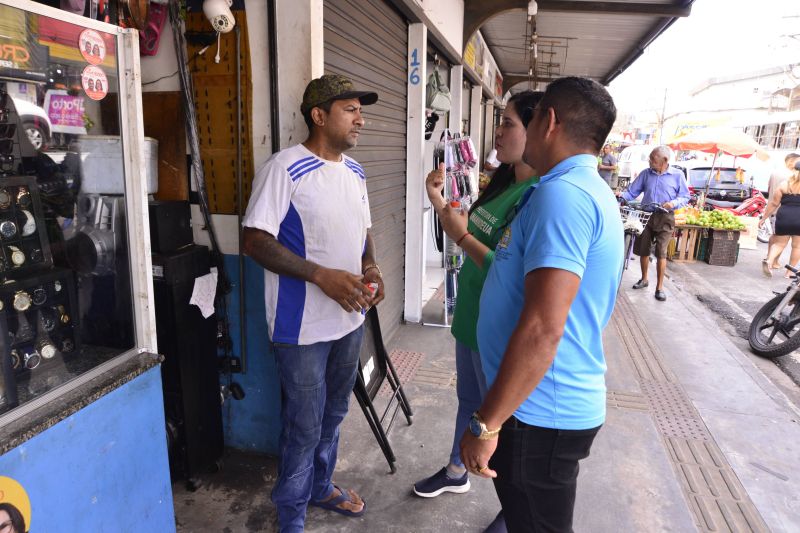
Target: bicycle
633,223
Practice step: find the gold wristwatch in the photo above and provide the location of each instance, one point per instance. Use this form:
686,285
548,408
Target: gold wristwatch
478,428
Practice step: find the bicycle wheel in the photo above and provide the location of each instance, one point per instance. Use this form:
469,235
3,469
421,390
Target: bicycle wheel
772,338
627,246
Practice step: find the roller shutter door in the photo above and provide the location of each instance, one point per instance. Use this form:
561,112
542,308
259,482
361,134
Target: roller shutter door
367,40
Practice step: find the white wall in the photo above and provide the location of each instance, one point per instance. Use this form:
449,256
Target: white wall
164,65
300,59
448,17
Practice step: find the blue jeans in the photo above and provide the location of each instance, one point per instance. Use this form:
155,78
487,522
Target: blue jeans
470,390
316,383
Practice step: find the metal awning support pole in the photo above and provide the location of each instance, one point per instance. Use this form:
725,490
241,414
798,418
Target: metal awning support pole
710,173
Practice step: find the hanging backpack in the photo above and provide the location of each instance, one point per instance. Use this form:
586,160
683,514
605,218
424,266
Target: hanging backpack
438,94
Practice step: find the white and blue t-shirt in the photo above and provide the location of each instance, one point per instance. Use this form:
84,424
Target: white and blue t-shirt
569,221
319,210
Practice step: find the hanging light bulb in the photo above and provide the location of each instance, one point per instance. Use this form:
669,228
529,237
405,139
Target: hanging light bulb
533,8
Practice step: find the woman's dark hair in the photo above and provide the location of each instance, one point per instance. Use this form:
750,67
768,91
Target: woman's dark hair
17,520
524,104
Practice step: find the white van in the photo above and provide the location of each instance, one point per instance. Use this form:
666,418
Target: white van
633,160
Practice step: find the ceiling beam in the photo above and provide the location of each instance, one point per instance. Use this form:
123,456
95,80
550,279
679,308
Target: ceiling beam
477,12
510,80
626,8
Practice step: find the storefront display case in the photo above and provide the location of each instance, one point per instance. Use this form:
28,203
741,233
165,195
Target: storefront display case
75,291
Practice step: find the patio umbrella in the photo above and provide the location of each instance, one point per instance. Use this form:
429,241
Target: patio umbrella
719,140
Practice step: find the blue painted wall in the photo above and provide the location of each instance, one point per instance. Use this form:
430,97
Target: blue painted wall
105,468
252,423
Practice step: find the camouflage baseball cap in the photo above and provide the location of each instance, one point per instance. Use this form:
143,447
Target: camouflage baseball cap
333,87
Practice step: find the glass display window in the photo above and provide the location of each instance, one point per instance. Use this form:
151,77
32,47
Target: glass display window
68,188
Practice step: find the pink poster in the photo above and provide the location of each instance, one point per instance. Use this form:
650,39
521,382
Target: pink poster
65,112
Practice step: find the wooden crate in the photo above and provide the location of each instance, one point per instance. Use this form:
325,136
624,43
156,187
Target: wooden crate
687,241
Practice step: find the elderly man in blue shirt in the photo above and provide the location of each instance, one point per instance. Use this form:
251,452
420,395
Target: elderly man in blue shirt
666,187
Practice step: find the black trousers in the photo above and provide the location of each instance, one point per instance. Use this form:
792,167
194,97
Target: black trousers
537,475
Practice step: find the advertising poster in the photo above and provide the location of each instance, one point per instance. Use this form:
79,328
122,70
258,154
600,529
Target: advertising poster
65,112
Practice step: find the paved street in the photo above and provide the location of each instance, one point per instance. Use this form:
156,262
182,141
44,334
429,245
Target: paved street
734,295
700,434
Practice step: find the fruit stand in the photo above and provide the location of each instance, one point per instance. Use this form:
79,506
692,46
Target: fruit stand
711,236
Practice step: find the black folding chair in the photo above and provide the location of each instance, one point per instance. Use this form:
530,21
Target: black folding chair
375,367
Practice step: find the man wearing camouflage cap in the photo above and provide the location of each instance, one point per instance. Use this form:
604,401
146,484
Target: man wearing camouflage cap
307,224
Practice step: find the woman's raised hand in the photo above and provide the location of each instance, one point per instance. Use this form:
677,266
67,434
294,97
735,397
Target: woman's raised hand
434,184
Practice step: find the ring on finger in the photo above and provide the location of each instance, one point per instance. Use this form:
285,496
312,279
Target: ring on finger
480,469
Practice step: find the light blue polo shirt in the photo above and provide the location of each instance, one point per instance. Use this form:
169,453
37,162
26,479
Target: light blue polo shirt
569,221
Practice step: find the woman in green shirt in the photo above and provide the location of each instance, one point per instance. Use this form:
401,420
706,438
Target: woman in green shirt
478,234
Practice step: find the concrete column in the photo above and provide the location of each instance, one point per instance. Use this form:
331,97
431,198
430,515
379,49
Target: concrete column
456,94
488,128
415,171
300,57
476,121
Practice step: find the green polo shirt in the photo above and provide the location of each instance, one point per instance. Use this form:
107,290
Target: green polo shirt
486,223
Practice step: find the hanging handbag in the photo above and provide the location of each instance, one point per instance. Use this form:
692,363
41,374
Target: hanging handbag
438,94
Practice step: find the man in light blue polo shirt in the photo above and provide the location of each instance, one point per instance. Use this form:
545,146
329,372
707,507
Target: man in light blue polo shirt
547,298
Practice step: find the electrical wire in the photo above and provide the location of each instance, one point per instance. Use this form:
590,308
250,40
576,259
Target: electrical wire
195,56
194,141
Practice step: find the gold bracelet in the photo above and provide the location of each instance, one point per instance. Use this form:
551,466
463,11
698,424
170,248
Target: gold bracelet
370,267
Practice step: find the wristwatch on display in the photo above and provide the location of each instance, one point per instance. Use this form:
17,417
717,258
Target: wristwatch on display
17,256
36,255
63,317
478,428
22,301
67,345
23,197
39,296
46,348
46,320
15,360
5,199
32,359
57,286
8,229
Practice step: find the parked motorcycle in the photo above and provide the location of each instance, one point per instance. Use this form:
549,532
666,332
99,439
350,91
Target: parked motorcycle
775,329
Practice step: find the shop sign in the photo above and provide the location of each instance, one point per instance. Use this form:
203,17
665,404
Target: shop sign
65,112
94,82
474,54
23,61
469,53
